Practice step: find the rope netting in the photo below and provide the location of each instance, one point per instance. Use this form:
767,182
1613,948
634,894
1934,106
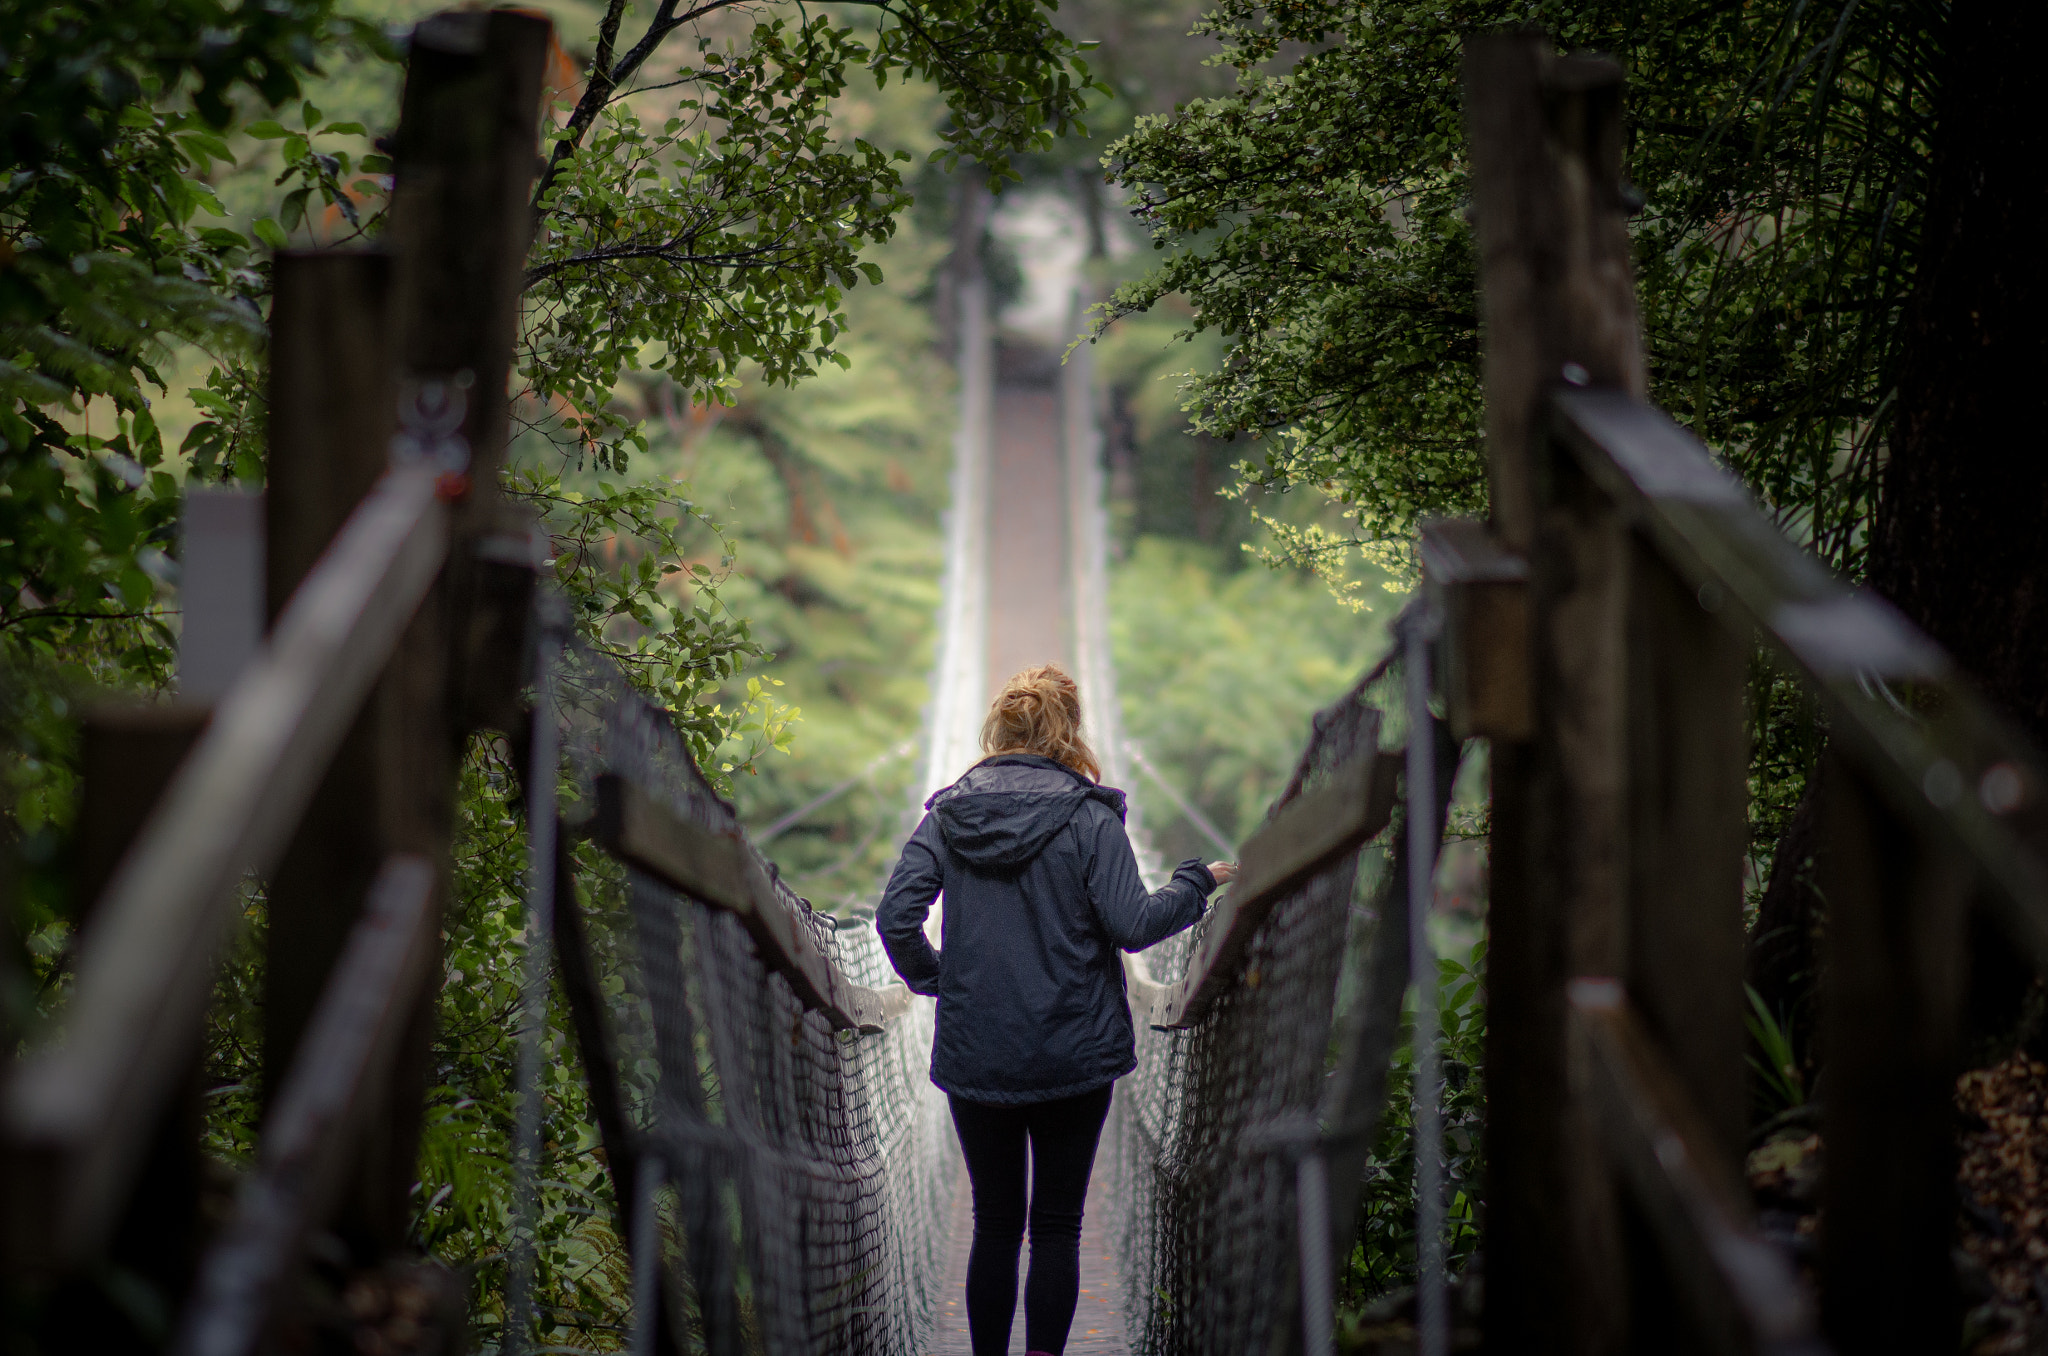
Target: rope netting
806,1174
1207,1138
795,1184
797,1181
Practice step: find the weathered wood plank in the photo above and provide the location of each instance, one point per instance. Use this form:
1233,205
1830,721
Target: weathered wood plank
724,872
1317,828
1688,797
129,753
330,434
1897,900
1741,1297
78,1110
1941,757
1481,591
466,153
1558,304
327,1097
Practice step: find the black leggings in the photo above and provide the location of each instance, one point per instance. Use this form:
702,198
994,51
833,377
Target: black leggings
1063,1135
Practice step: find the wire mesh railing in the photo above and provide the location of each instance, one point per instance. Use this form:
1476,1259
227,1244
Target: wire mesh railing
1214,1143
792,1174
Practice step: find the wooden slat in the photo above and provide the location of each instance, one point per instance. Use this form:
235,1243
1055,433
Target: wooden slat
466,152
722,871
78,1110
1481,591
325,1099
1688,797
1936,751
1743,1297
1544,136
1301,840
1893,993
331,402
129,753
1370,1030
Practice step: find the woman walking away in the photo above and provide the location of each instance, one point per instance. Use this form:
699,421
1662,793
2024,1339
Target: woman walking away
1042,890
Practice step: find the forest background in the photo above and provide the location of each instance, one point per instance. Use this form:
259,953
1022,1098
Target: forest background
758,538
1810,177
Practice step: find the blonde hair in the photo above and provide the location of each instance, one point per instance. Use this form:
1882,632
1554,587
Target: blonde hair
1039,711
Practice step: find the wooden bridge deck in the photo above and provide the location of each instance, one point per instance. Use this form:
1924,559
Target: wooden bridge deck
1098,1321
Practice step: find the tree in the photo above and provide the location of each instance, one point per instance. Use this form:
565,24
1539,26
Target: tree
1316,217
111,114
1837,284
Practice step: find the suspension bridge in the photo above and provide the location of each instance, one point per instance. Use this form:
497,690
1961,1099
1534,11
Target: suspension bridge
780,1167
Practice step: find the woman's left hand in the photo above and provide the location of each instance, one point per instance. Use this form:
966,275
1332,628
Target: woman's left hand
1224,872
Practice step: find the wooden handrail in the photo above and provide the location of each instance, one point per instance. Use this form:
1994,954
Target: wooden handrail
1744,1297
1306,836
724,871
349,1044
1933,747
80,1110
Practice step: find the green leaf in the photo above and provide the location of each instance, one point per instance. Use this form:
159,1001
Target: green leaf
292,213
270,233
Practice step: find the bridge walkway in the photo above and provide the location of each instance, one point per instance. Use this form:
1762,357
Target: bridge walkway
1030,620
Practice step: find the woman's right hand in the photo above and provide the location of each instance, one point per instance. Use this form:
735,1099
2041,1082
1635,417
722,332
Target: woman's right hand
1224,872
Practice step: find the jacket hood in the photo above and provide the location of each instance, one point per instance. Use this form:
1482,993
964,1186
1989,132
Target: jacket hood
1000,815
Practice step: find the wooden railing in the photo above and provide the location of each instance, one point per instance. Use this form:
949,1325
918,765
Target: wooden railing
79,1113
1313,830
329,768
726,872
1599,630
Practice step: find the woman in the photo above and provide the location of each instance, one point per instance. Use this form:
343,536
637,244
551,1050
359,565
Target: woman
1042,890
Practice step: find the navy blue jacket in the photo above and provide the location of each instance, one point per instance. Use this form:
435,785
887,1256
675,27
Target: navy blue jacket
1041,890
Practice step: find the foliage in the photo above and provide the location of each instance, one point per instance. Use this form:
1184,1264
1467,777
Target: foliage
464,1203
622,554
114,117
840,482
727,235
155,272
1315,220
1384,1258
1230,667
703,225
1780,1084
1316,217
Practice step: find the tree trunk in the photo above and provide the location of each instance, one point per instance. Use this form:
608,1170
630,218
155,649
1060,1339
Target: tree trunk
1960,545
1962,521
1961,539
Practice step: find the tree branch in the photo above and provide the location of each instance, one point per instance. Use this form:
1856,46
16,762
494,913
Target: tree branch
667,250
75,614
606,77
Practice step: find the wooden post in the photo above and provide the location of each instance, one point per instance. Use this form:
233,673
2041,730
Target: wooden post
1893,987
1688,786
128,755
1688,792
331,398
461,224
468,151
330,426
378,360
1558,307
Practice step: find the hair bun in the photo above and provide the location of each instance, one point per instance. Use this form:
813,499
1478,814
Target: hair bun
1039,711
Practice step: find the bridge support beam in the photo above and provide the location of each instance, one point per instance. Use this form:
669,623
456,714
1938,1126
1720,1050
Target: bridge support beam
1618,822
